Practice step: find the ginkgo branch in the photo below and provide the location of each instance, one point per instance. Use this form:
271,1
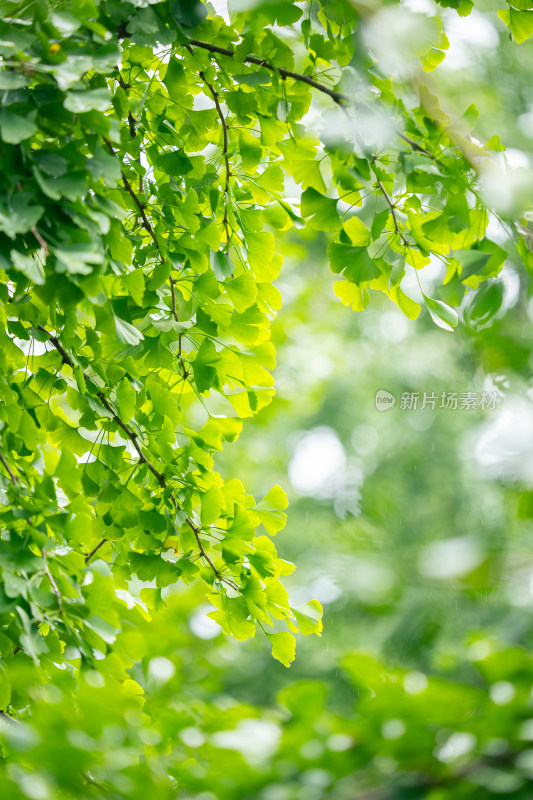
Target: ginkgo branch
8,470
393,211
225,221
53,583
131,120
147,225
49,575
95,550
40,239
415,146
338,97
132,436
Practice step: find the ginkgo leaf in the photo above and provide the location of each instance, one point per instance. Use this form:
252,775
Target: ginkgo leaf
127,333
283,647
270,510
443,315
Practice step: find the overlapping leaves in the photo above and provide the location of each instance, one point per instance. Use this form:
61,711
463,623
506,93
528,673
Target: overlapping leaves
150,154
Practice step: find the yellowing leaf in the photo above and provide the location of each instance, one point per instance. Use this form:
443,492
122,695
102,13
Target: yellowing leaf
283,647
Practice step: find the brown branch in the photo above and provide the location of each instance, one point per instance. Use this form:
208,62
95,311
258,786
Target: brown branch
58,346
147,225
338,97
131,123
393,212
196,532
94,550
53,584
173,290
226,157
185,372
131,120
40,239
49,575
390,204
414,145
132,436
8,470
419,149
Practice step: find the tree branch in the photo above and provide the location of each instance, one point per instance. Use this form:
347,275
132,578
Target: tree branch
94,550
147,225
393,212
14,479
173,291
337,97
40,239
58,346
390,203
415,146
131,120
132,436
394,217
53,584
196,532
226,157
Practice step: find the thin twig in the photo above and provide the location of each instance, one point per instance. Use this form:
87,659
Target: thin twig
132,436
58,346
49,575
88,777
13,477
338,97
40,239
196,532
415,145
53,584
173,290
94,550
393,212
140,206
225,221
147,225
185,372
131,120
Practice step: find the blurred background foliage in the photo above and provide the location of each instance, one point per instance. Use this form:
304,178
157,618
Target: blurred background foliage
413,527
